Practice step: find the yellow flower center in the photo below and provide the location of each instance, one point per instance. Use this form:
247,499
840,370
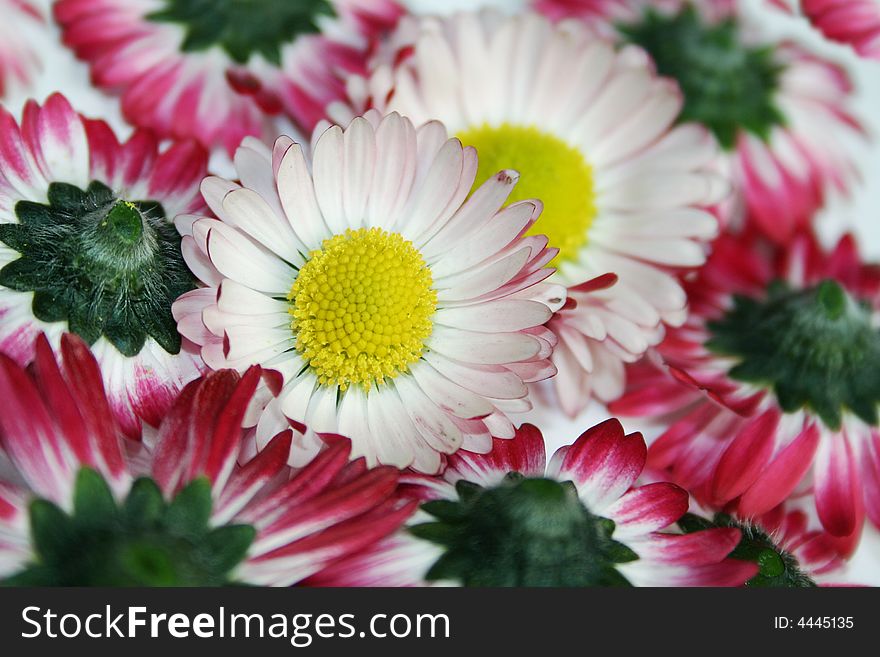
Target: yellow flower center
362,308
551,170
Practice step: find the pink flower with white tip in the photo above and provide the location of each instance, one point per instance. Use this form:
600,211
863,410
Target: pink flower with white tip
772,386
789,550
87,245
213,69
782,114
84,506
397,307
508,518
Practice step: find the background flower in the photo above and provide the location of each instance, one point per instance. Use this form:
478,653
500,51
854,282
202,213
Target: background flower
782,113
214,69
507,518
87,245
788,551
772,383
85,506
622,188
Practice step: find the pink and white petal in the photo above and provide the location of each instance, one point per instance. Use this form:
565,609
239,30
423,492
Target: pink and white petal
838,485
603,463
647,509
524,453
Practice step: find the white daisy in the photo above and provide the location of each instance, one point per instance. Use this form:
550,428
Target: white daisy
592,131
398,308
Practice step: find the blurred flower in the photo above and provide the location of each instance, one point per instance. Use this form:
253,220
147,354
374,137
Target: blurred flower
773,382
87,245
781,113
856,22
21,31
788,553
399,309
508,519
589,128
213,69
85,506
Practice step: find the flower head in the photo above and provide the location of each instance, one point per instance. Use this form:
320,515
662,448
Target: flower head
775,376
781,113
508,518
87,245
788,552
83,505
590,129
399,308
212,69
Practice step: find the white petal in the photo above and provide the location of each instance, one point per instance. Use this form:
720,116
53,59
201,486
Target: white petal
484,348
238,258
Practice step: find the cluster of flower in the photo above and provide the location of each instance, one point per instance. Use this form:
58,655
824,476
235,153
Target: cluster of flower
313,371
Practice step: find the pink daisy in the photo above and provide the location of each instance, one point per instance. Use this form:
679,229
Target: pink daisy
508,518
789,552
856,22
82,505
22,27
87,245
398,308
212,69
772,384
781,113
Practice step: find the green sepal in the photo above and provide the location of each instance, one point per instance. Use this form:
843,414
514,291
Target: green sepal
191,509
777,567
524,531
142,541
105,266
243,28
144,505
728,85
816,348
229,545
93,502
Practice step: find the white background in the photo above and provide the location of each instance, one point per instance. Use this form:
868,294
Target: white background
860,213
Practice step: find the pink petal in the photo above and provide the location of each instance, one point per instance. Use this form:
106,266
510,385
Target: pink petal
781,476
603,463
745,457
648,508
837,485
524,453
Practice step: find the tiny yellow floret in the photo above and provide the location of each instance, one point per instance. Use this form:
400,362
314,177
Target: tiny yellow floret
362,308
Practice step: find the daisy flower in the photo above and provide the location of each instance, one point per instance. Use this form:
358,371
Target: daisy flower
398,308
87,245
508,518
772,384
211,69
590,129
22,27
788,552
856,22
781,113
84,506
